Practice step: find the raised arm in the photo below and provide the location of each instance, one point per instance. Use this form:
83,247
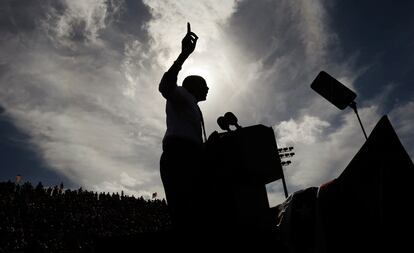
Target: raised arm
169,80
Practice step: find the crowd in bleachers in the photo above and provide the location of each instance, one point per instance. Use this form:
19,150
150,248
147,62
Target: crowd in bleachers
54,219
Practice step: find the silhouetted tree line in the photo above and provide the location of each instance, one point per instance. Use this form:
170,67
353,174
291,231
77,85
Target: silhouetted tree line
54,219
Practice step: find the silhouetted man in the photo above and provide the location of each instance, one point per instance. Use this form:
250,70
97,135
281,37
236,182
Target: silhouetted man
181,161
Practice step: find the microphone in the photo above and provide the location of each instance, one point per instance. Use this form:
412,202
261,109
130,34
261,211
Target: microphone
223,123
232,119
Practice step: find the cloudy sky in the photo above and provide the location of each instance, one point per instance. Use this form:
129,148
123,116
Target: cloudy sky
79,100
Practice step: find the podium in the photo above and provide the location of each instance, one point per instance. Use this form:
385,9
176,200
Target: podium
242,163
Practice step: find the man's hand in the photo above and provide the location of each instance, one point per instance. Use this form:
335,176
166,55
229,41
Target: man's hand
189,42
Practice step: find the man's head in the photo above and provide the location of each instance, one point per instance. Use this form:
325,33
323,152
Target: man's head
197,86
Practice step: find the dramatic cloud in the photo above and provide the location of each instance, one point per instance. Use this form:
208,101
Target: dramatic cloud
91,106
70,89
403,119
81,79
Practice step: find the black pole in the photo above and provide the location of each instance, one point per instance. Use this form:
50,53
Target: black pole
284,183
354,107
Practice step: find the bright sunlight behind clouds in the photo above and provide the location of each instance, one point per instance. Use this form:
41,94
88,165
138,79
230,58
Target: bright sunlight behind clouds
80,78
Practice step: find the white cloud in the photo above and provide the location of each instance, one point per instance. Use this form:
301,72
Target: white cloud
95,114
168,26
81,20
127,180
321,155
307,131
77,107
110,187
92,110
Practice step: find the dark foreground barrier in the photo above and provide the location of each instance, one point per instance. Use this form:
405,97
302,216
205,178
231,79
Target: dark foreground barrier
365,209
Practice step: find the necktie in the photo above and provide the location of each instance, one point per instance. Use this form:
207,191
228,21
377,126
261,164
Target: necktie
202,124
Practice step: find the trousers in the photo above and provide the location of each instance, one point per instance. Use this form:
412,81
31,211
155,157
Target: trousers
181,166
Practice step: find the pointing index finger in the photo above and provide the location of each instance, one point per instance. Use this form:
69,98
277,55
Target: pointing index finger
188,27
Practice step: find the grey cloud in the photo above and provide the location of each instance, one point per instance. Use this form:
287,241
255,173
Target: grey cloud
285,45
261,25
24,16
68,94
284,48
322,156
84,84
402,118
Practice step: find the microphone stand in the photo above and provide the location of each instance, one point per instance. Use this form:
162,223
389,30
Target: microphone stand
354,107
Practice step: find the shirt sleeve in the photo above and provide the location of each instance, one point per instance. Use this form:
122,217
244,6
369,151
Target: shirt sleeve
168,82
